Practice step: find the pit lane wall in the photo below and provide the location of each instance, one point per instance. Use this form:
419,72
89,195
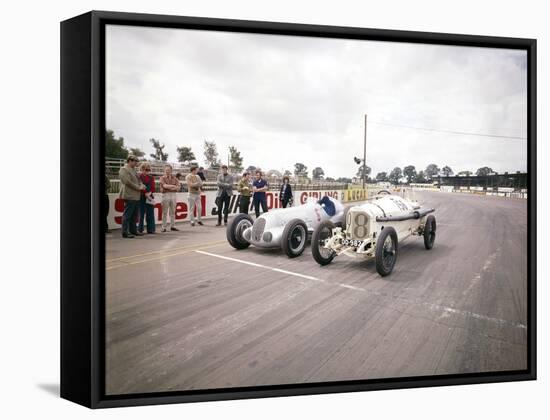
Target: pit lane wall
210,210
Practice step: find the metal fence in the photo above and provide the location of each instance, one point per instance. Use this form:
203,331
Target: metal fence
112,166
211,186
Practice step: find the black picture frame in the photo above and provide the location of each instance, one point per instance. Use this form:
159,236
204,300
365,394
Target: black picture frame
82,239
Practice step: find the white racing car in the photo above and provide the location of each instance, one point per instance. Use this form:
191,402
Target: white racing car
374,230
286,228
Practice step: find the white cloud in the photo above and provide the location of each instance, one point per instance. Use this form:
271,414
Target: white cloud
282,99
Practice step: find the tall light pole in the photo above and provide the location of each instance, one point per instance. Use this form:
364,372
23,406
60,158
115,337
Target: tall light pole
365,153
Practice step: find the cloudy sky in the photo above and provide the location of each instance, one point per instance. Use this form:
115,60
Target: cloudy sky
282,100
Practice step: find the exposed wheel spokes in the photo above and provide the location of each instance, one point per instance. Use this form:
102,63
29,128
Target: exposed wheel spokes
325,235
388,252
319,240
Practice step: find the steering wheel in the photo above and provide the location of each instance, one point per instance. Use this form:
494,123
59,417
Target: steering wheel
383,192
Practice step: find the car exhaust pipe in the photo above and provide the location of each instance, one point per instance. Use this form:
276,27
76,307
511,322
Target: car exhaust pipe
417,214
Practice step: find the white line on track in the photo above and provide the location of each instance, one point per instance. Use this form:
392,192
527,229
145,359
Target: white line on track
446,310
278,270
347,286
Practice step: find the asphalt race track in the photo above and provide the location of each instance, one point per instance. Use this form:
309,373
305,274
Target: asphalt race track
187,311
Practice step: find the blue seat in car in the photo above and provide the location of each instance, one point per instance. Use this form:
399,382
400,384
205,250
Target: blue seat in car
328,206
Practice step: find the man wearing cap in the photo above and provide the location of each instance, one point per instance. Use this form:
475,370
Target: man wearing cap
194,184
223,196
130,192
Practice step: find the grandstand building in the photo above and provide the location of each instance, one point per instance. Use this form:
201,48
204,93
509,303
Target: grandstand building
517,181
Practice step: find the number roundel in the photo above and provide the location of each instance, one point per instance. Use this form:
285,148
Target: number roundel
360,230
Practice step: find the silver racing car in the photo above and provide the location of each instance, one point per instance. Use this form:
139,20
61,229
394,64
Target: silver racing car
373,230
285,228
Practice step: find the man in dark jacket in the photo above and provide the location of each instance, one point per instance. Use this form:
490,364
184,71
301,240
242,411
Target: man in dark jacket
223,196
259,187
285,194
200,173
130,192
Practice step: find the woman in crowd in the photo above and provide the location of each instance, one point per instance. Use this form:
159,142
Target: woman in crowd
245,192
285,195
146,202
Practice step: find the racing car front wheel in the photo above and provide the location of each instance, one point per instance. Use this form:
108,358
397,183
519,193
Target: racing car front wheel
386,251
294,238
323,233
235,231
429,232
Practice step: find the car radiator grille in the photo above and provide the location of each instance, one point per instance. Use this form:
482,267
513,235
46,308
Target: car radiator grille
258,229
357,226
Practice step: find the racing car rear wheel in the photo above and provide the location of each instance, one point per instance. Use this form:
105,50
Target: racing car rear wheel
386,251
294,238
429,232
323,233
235,231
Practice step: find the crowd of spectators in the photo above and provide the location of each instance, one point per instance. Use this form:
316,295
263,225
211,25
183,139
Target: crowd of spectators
138,192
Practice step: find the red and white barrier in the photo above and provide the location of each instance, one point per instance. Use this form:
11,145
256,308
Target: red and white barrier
209,208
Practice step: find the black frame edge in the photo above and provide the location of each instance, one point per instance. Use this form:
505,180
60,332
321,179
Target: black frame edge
532,206
303,29
311,389
76,259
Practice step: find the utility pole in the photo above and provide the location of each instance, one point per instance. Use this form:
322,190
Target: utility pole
365,154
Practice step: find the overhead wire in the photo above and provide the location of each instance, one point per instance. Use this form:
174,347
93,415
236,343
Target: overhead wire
464,133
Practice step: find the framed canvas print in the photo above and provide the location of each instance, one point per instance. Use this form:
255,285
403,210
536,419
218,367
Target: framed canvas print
256,209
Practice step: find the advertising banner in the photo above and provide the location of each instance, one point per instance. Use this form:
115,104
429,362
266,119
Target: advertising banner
209,208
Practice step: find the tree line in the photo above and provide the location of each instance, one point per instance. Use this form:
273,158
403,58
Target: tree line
115,149
427,175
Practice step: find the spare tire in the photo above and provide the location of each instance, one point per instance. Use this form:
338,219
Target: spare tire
235,230
294,239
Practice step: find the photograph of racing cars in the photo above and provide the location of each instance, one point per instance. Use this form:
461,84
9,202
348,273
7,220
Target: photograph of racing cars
286,228
286,209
